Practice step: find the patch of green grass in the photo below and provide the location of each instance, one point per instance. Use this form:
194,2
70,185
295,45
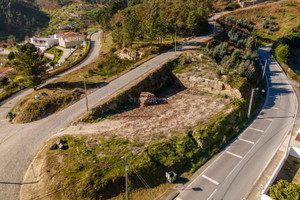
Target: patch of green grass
56,52
111,66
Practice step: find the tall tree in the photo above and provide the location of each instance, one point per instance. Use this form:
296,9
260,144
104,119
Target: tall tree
102,18
130,28
154,9
117,35
30,63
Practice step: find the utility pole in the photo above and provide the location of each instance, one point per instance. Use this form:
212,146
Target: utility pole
85,90
215,24
250,104
264,71
126,170
251,99
175,43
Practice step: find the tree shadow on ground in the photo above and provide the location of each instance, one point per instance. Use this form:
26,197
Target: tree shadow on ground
72,85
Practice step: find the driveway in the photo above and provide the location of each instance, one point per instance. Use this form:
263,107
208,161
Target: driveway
66,54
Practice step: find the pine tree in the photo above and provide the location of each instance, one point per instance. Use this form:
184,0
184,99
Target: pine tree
130,28
30,64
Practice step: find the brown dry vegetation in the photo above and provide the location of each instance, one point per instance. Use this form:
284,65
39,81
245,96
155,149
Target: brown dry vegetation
184,109
285,13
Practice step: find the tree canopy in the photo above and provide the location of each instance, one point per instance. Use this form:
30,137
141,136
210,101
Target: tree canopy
30,63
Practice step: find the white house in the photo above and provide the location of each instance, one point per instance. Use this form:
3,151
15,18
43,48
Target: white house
44,43
70,39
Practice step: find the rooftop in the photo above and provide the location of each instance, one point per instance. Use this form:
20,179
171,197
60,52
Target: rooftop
70,33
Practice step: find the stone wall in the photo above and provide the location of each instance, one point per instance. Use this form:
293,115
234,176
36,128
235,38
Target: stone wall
216,87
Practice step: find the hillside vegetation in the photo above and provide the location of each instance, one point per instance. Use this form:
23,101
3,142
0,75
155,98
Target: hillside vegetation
268,22
20,18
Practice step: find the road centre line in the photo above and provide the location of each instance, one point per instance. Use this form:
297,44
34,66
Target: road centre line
210,179
233,154
248,141
268,119
255,129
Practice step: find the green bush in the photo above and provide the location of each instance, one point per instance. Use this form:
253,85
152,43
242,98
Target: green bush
111,66
285,190
282,53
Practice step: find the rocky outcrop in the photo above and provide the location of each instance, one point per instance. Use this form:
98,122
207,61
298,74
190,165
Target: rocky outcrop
147,99
215,86
128,54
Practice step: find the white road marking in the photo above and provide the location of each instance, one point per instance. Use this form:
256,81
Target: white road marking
255,129
210,197
273,107
211,180
233,154
268,119
248,141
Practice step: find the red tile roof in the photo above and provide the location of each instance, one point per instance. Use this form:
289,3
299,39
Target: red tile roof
70,33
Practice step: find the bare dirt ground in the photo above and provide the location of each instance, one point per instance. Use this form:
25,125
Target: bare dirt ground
184,109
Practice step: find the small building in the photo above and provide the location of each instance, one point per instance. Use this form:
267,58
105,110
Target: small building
70,39
44,43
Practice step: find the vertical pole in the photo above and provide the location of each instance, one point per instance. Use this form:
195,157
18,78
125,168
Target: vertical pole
86,99
175,43
215,25
250,104
263,75
255,42
126,170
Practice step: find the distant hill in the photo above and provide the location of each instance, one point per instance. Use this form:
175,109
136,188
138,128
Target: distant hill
20,18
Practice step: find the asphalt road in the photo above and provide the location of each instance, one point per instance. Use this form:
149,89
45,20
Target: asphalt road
233,172
20,142
8,104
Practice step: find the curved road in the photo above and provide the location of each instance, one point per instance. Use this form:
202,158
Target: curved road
19,142
8,104
232,174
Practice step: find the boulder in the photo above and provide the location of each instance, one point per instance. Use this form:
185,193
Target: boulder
147,98
57,145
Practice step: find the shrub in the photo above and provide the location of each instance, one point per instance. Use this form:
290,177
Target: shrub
285,190
11,55
113,49
235,56
282,53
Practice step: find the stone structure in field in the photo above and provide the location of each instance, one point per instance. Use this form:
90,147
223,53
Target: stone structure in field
147,99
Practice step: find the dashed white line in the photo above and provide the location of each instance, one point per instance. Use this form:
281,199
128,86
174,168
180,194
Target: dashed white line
210,179
248,141
255,129
268,119
233,154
